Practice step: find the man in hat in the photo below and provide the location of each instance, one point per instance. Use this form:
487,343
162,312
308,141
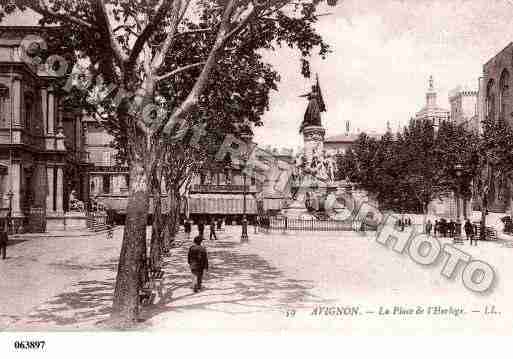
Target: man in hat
198,262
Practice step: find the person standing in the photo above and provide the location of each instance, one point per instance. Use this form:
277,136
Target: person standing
4,239
201,227
429,227
443,227
450,227
436,228
474,236
187,228
469,230
458,228
198,263
213,230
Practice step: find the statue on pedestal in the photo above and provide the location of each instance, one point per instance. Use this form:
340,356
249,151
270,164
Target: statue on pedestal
75,205
315,106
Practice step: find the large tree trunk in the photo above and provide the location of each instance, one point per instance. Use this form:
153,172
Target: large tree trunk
156,228
125,308
174,214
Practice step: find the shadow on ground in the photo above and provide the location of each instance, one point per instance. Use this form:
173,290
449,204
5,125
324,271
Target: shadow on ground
237,283
87,301
13,242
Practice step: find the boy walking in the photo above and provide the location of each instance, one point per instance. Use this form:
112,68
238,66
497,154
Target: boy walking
198,262
429,227
201,227
187,228
469,230
213,229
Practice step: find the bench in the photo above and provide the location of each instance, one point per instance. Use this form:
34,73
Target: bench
152,288
146,296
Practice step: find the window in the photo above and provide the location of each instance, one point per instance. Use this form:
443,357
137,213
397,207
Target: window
29,108
504,93
490,100
106,184
127,181
4,108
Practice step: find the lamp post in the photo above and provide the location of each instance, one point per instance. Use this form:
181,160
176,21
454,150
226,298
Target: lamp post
244,236
244,158
458,170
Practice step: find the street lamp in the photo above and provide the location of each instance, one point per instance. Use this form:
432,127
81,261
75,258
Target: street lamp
244,156
458,170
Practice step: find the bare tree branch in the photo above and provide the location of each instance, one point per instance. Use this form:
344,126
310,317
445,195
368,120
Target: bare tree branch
201,82
195,31
158,59
42,8
148,31
242,24
126,28
114,45
180,69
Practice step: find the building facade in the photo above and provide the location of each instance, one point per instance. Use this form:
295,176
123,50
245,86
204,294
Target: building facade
496,102
41,142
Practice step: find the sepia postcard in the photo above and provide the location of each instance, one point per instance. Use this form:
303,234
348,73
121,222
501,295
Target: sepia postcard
338,167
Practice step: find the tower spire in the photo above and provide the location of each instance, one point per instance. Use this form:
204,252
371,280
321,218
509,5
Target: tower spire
431,94
431,84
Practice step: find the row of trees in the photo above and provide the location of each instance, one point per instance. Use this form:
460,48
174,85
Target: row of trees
152,70
408,170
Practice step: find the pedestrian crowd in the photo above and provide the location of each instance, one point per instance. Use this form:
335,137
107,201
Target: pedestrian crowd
403,222
453,229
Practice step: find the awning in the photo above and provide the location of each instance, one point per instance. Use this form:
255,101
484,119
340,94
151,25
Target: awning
221,203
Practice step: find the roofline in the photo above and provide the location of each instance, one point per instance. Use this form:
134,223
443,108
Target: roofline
497,54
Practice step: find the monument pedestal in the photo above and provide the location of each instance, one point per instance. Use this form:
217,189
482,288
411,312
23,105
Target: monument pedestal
297,210
313,137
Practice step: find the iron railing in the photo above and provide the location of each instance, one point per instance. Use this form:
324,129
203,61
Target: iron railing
229,188
278,223
96,218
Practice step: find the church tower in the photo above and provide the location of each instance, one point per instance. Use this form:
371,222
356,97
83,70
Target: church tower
431,94
311,127
431,111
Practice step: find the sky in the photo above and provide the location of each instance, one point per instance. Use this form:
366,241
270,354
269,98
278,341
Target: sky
383,54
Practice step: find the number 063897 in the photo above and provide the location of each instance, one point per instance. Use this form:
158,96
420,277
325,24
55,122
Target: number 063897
29,344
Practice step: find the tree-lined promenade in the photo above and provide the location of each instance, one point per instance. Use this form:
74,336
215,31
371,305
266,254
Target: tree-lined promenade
408,170
197,62
274,282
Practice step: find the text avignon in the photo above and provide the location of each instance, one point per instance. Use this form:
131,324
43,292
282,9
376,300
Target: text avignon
335,311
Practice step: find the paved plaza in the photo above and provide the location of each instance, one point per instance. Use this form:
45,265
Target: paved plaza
275,282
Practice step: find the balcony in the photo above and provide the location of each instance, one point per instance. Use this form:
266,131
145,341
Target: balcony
226,188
